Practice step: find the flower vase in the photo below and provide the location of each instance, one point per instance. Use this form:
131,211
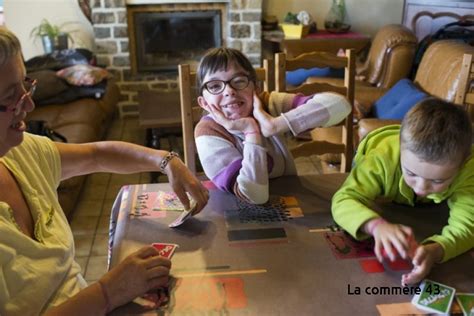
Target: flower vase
335,19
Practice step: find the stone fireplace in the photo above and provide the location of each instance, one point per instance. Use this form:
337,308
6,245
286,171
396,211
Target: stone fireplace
152,65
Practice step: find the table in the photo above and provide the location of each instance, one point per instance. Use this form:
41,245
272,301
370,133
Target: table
274,42
269,266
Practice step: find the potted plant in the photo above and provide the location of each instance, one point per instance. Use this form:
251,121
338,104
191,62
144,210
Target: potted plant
52,36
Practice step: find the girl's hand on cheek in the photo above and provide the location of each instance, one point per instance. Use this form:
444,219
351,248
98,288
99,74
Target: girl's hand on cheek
265,120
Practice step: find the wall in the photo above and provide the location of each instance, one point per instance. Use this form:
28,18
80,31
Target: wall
111,32
365,16
21,16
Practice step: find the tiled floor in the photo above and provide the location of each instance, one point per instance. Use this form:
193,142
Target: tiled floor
90,220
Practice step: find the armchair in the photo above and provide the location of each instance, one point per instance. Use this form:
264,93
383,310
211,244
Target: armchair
446,72
389,60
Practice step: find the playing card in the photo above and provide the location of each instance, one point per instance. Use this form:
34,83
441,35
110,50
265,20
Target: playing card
345,247
412,245
184,215
466,301
165,250
434,297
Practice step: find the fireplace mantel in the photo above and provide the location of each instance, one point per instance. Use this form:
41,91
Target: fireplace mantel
144,2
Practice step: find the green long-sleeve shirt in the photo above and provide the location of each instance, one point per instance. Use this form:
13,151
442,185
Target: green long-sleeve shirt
377,173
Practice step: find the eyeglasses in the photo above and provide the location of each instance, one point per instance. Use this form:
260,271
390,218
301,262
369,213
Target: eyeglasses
217,86
29,86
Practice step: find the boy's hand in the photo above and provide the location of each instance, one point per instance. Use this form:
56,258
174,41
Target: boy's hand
425,257
267,122
391,237
243,125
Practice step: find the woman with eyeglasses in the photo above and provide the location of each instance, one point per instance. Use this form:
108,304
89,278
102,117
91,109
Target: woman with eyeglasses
38,272
240,144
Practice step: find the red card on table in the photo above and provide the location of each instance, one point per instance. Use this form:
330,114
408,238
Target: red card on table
165,250
371,266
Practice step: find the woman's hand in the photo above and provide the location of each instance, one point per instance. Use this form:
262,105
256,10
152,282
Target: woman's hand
182,180
268,124
391,238
242,125
425,257
140,272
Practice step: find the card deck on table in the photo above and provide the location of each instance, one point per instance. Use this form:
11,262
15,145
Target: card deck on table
165,250
434,297
466,302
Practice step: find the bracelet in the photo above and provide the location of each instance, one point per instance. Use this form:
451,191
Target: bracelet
166,159
253,132
374,223
106,296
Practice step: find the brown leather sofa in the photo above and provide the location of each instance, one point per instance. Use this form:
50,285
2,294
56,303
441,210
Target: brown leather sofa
80,121
440,74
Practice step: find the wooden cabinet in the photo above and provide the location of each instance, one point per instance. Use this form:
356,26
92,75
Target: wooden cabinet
274,42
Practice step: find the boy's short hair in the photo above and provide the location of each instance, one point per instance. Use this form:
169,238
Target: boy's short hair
9,45
437,131
219,58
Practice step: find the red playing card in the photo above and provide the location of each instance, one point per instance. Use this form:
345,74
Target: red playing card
165,250
371,266
412,245
400,264
345,247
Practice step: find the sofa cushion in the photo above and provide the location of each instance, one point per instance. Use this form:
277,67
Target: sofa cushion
298,76
83,75
394,104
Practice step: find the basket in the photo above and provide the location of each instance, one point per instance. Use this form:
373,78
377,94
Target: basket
295,30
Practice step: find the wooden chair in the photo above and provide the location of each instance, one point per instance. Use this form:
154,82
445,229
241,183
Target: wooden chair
322,59
191,112
465,91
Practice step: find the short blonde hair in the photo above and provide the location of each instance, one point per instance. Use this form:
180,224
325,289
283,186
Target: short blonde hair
437,131
9,45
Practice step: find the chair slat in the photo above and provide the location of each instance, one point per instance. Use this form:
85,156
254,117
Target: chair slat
321,60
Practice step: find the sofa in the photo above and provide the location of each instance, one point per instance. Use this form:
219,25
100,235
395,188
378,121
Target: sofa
80,121
389,59
441,74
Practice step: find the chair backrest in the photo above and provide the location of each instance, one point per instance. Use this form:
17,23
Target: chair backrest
443,71
390,56
191,112
465,92
321,60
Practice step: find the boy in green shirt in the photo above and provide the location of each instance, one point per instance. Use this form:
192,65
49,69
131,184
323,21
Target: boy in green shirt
428,159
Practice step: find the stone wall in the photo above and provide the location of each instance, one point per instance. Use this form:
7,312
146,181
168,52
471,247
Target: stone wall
109,18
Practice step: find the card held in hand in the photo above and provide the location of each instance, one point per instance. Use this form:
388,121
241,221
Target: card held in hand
434,297
165,250
184,215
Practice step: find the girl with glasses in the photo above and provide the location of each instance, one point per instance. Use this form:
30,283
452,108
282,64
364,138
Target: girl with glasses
240,142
